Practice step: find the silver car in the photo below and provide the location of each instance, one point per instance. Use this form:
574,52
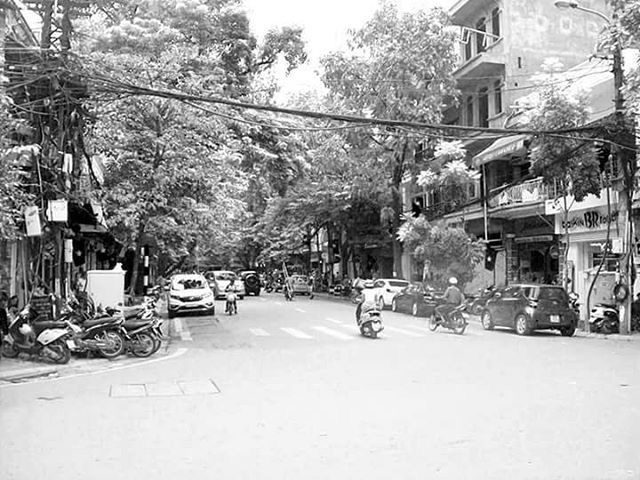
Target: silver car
219,280
190,293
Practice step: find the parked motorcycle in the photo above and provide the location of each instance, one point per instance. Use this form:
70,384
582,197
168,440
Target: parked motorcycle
476,305
573,303
370,322
103,334
45,339
604,318
455,320
142,329
141,338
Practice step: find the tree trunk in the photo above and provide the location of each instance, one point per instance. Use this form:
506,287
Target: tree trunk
396,205
565,274
136,259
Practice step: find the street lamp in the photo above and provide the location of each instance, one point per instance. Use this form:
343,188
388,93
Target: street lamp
577,6
622,153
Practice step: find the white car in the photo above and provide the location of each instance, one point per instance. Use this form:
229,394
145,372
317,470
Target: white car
220,280
190,293
387,288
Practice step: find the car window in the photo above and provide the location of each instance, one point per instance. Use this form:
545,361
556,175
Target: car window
398,283
379,283
225,276
511,292
188,283
554,294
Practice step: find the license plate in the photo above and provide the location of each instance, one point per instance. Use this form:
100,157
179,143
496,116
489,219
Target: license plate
71,344
554,318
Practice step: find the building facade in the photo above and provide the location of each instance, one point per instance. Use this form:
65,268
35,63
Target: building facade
503,45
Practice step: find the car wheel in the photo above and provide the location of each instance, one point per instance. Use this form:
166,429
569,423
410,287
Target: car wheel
241,297
487,321
381,303
414,309
522,325
171,314
567,331
394,305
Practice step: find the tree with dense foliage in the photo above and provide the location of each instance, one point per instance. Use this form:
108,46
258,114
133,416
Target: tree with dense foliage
571,166
13,158
446,251
450,176
399,66
174,173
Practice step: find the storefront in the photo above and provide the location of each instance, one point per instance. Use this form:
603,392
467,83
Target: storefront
532,250
587,223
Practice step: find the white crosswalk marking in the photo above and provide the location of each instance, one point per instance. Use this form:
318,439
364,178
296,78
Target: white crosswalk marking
333,333
296,333
300,310
259,332
333,320
404,332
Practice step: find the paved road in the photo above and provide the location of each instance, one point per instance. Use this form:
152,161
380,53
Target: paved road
288,390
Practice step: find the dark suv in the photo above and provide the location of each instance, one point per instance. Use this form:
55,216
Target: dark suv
526,308
251,282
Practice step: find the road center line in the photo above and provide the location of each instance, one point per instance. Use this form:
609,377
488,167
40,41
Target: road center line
300,310
329,319
259,332
296,333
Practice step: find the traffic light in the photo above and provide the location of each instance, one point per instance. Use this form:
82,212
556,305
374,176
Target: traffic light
489,258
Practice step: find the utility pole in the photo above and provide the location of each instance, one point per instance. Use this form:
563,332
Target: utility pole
623,146
628,166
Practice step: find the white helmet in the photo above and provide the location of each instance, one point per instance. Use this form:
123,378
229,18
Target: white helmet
453,281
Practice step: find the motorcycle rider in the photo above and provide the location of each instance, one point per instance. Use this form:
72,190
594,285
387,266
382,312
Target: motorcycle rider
452,298
231,296
366,296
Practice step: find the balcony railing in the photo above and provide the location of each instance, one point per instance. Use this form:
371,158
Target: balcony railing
531,191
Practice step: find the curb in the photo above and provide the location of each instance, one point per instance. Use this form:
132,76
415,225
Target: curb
14,376
20,374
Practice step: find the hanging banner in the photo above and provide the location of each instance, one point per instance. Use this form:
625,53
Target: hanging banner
32,221
57,211
97,167
98,212
67,164
68,250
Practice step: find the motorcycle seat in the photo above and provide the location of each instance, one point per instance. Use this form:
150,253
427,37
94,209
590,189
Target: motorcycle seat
100,321
607,305
134,324
39,327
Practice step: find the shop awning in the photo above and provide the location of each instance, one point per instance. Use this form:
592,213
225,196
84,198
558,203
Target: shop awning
505,147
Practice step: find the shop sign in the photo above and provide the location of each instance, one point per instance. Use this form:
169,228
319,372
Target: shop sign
57,211
590,202
587,221
32,221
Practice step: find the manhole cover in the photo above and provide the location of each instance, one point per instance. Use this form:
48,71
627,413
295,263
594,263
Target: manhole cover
165,389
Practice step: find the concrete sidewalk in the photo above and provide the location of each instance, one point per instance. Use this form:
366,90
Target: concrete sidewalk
25,367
